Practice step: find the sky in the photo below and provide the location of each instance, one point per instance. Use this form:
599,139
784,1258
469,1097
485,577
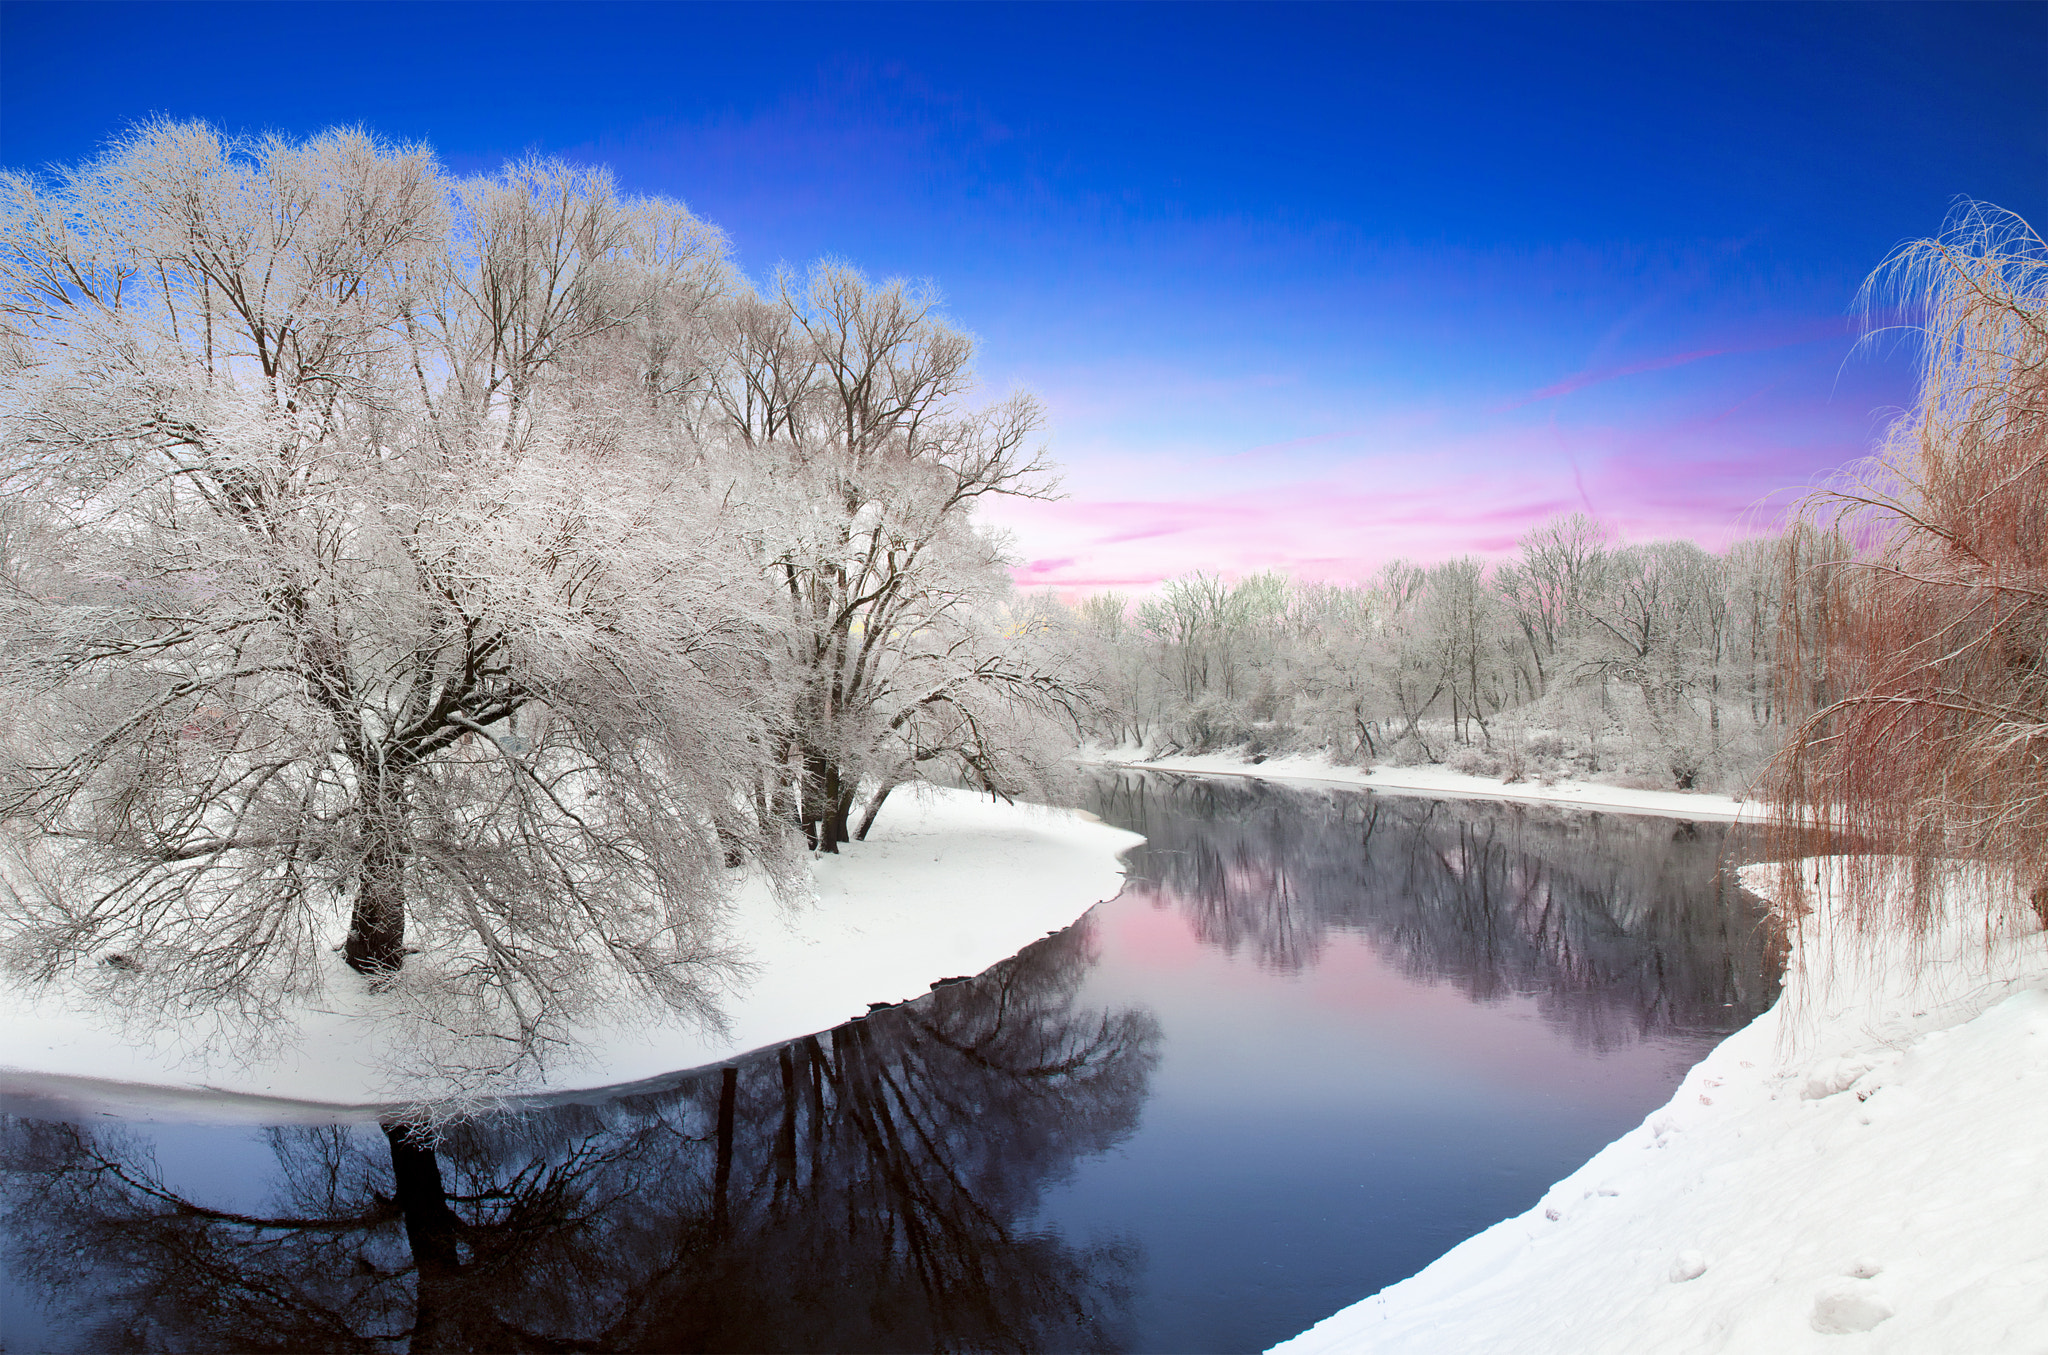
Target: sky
1302,287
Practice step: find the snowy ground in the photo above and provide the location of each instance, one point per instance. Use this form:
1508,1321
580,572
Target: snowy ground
1439,781
947,884
1860,1169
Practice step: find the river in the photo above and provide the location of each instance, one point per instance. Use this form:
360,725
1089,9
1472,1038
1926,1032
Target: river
1322,1036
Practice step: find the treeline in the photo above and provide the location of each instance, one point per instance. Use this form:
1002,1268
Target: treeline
1652,664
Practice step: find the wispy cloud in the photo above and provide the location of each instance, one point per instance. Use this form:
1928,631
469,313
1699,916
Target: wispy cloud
1812,332
1580,380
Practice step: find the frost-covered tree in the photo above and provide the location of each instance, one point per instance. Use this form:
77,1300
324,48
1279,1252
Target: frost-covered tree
1463,633
1546,589
1650,626
1331,675
863,467
379,596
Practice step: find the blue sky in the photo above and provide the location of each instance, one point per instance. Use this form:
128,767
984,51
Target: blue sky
1302,286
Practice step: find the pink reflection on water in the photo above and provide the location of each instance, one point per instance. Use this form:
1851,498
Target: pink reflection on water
1504,1042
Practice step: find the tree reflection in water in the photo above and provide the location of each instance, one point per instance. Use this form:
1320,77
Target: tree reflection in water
856,1190
869,1188
1619,926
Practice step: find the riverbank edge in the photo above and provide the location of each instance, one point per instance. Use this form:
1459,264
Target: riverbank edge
948,884
1315,769
1858,1160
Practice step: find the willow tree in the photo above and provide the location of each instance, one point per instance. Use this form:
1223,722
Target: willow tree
373,600
1919,673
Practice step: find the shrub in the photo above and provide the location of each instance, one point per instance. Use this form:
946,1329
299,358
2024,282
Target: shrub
1474,762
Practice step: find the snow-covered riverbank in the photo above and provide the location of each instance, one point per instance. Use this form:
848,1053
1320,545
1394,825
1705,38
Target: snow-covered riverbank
947,884
1439,781
1860,1169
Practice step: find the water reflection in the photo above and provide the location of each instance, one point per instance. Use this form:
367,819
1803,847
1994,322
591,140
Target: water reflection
857,1190
936,1176
1620,926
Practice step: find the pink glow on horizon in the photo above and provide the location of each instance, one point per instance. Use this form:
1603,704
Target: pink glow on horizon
1320,529
1716,453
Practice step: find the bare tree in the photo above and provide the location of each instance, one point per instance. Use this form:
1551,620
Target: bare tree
372,599
1919,670
1546,589
1649,623
865,470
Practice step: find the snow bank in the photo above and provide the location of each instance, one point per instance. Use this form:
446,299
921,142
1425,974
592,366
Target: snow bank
947,884
1860,1169
1439,781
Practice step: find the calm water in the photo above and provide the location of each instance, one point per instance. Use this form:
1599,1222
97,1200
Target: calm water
1320,1039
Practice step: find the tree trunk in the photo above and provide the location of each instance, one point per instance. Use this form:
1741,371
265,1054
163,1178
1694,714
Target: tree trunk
867,820
842,815
721,1181
832,826
439,1307
820,795
1365,737
376,928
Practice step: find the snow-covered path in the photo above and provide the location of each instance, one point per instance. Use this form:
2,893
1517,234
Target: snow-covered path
1860,1169
949,883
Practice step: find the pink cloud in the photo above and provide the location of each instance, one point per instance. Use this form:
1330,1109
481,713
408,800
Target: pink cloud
1140,534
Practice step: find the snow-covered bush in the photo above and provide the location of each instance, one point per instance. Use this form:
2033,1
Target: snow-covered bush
1476,762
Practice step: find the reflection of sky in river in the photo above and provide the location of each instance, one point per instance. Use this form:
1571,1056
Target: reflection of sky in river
1320,1039
1314,1133
1333,1124
1353,992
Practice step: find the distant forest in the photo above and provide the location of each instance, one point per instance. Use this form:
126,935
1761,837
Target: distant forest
1649,665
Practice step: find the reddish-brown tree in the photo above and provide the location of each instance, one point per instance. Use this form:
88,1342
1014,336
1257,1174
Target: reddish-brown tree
1917,674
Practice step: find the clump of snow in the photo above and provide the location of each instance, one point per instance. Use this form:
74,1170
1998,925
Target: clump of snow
1849,1304
947,884
1838,1075
1861,1168
1440,781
